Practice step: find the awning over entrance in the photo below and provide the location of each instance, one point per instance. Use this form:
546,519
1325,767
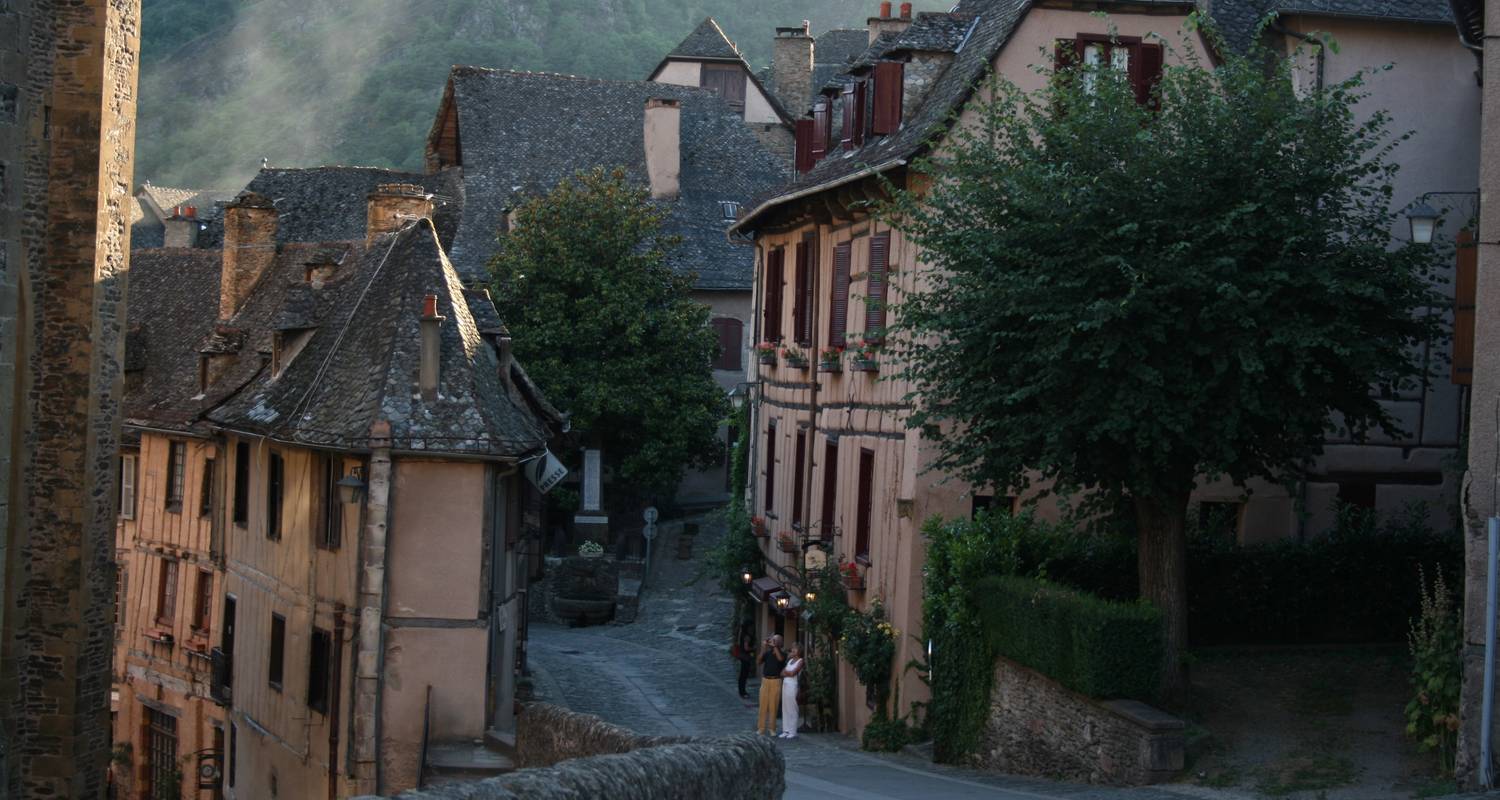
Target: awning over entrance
763,588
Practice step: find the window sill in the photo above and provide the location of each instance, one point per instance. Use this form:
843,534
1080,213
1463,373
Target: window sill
863,559
174,508
274,686
163,637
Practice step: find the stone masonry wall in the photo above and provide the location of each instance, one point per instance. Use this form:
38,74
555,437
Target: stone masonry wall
67,106
1038,727
568,755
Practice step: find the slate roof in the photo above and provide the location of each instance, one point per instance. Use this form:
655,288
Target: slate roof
174,301
992,23
146,229
706,41
361,361
933,32
523,132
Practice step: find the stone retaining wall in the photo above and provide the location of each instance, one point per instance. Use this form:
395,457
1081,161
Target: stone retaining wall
1039,727
569,756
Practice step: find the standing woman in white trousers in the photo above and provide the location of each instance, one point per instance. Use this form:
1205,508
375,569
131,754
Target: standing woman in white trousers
789,681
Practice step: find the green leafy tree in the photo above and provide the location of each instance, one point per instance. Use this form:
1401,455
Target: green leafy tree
609,331
1136,295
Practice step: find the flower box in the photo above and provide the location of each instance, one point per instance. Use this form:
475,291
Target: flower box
758,527
796,362
766,352
854,583
768,359
786,543
864,365
831,366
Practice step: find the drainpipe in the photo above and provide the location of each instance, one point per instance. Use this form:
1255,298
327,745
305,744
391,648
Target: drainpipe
1486,774
1312,40
753,363
368,665
1456,6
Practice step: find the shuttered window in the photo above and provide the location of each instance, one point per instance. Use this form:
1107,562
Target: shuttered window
330,506
770,466
726,79
176,465
821,128
202,598
127,486
1142,61
886,114
838,314
318,673
1463,309
877,286
206,489
166,593
275,671
804,145
275,479
854,115
798,473
731,336
866,505
771,299
802,292
241,483
830,489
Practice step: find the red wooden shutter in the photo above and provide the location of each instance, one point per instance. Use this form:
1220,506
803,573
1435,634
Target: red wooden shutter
770,466
888,87
838,317
804,145
798,473
771,298
866,505
802,297
1066,53
821,130
1145,71
861,117
1463,309
876,285
830,489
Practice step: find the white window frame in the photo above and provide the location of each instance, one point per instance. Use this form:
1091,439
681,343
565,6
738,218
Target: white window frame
128,473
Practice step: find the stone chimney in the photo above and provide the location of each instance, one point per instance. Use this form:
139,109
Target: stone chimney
792,66
663,140
885,22
181,227
249,248
432,348
392,205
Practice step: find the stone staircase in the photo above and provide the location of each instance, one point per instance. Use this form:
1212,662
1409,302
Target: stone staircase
466,760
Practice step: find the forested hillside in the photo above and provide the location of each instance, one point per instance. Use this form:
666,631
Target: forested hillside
225,83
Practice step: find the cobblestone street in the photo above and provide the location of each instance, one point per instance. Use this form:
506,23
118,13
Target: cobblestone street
669,673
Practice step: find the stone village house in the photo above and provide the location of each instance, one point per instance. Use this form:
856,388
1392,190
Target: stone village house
832,456
322,505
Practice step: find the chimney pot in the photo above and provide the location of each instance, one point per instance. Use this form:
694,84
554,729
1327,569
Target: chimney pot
191,212
906,10
885,9
806,27
429,307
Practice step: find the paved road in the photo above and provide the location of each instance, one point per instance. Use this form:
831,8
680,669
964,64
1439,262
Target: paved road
668,674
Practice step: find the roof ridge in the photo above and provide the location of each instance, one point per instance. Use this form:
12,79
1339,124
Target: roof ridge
673,87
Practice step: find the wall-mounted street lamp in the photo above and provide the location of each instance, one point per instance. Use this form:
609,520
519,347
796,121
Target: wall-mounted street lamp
738,395
811,596
1423,218
745,575
352,486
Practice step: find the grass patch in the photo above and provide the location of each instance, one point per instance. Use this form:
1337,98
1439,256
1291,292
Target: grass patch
1437,788
1306,774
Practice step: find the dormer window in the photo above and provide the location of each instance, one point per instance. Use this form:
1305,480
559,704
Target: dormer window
1128,54
729,210
726,79
854,115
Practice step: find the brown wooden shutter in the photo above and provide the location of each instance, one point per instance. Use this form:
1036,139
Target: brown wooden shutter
846,105
802,299
821,129
861,117
804,144
1464,281
876,286
730,333
866,505
726,79
888,88
830,489
770,466
1066,53
771,301
799,471
1145,71
838,317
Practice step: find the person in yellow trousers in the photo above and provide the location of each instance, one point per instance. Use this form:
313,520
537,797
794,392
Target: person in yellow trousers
772,662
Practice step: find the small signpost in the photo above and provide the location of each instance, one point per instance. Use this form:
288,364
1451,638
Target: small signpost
649,531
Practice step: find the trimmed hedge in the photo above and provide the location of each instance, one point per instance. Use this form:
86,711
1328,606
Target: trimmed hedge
1093,646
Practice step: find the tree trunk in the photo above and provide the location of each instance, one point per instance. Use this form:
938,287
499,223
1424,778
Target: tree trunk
1162,564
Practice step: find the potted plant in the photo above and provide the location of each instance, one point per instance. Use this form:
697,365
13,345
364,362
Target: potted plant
831,359
795,358
786,542
864,359
849,573
591,549
758,526
767,353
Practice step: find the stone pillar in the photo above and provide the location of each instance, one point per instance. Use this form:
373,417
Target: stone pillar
67,138
371,613
1481,482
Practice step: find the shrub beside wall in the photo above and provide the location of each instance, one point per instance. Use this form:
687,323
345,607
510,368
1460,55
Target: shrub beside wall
1104,649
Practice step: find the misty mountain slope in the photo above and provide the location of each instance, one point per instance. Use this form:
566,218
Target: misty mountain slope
225,83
